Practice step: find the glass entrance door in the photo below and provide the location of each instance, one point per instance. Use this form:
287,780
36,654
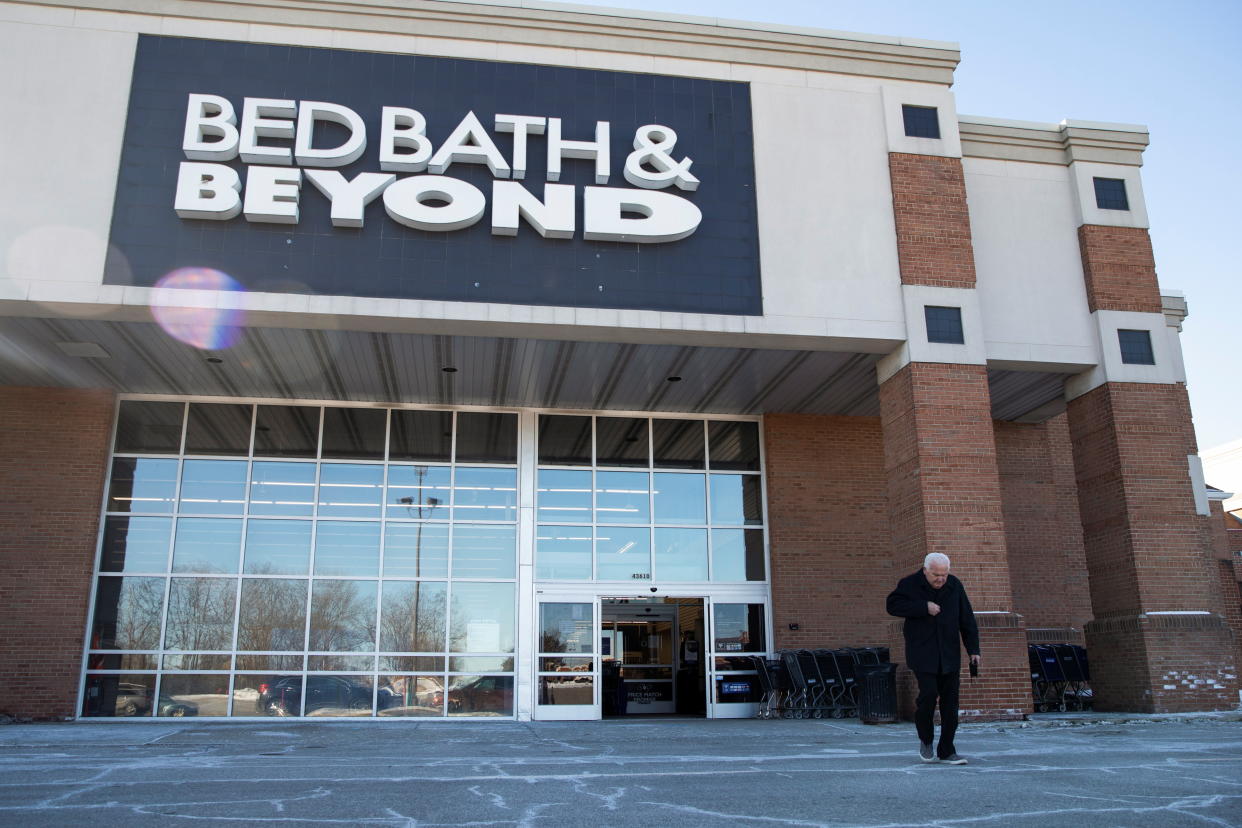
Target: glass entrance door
567,661
737,633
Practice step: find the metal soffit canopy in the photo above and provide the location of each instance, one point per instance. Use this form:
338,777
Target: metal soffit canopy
398,368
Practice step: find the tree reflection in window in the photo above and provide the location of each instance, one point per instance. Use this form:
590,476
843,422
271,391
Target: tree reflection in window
127,614
343,616
200,614
273,614
412,618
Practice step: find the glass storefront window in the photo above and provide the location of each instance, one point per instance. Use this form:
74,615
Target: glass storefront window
340,695
416,550
413,616
347,548
313,575
197,661
286,431
621,441
733,445
563,553
622,497
484,437
340,664
207,545
421,435
213,487
282,489
353,433
142,484
677,444
737,555
135,544
277,547
681,554
481,617
484,551
267,695
478,664
484,494
564,440
412,695
737,500
480,696
149,427
129,695
680,498
564,496
200,614
349,490
622,554
288,663
127,613
419,492
272,617
217,428
342,616
194,695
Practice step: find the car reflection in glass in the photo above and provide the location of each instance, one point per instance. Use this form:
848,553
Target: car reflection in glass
325,696
481,696
135,700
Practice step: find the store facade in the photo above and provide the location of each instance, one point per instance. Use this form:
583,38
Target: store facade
491,361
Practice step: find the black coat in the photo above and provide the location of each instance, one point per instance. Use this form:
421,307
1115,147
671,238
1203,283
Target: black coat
932,640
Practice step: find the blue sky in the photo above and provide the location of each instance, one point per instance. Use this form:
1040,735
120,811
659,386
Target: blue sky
1173,67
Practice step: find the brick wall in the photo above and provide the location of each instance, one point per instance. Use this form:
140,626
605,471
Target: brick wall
54,445
1233,532
1230,573
1162,664
1119,269
932,221
1043,530
828,530
1148,552
943,485
1144,539
944,494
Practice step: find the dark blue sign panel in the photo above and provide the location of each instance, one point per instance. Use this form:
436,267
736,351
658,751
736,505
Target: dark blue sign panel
714,269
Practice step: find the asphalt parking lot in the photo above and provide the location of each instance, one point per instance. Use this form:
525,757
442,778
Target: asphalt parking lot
1088,770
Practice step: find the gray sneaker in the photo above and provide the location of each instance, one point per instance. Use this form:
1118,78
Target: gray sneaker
926,753
954,759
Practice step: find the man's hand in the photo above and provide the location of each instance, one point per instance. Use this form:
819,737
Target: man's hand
933,608
974,659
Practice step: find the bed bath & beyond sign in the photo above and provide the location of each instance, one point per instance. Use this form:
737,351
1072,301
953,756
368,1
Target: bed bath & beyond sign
427,200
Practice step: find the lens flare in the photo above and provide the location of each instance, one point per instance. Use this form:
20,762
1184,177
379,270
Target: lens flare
193,318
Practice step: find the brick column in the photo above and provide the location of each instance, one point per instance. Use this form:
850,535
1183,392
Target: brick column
1043,530
939,448
1158,641
53,456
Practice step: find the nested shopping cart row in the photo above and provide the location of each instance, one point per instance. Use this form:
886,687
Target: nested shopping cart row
814,683
1060,677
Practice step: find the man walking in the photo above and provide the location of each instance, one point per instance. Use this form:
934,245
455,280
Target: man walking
937,613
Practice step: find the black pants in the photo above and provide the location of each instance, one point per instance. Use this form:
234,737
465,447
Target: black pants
933,686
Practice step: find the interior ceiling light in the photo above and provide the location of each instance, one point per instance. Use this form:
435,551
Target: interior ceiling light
86,350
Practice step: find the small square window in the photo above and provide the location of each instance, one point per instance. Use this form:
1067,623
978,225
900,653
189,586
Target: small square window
921,121
944,325
1110,194
1136,347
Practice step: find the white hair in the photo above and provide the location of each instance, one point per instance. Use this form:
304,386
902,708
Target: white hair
935,558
